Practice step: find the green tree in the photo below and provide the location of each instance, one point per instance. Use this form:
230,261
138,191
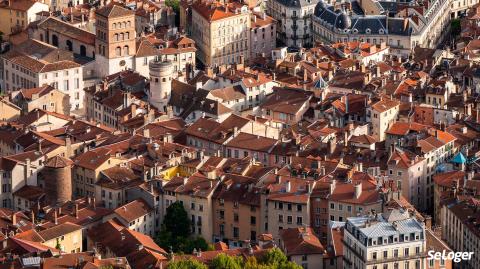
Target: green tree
274,257
223,261
289,265
186,264
176,234
175,4
176,220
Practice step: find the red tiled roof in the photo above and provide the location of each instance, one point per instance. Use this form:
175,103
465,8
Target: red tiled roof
301,241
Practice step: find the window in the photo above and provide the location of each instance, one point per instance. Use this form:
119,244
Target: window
280,218
299,220
222,214
125,50
118,51
253,220
299,208
65,85
289,219
236,232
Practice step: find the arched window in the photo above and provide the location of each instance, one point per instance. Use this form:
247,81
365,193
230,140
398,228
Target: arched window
69,45
129,24
121,36
115,37
118,51
124,25
55,40
100,49
83,50
127,35
114,25
125,50
41,37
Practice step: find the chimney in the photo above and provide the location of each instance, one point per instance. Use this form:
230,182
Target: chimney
133,110
146,132
360,167
14,219
332,186
55,216
168,138
428,222
358,190
68,145
94,202
32,216
309,187
288,186
76,211
322,170
27,170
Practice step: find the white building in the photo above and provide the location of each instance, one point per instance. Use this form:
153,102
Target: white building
34,63
393,239
17,171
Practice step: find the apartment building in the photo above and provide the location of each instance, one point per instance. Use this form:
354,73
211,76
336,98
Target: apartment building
263,33
286,204
45,97
67,236
221,32
302,246
113,183
294,21
8,110
284,107
356,195
88,166
382,115
17,171
408,170
137,216
236,211
17,15
393,239
33,64
460,229
195,194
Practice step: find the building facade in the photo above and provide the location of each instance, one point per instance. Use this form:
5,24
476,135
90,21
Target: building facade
294,23
221,33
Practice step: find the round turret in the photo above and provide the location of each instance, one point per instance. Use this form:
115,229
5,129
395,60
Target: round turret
161,75
57,173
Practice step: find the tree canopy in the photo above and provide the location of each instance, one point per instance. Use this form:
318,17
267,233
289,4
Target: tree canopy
176,234
186,264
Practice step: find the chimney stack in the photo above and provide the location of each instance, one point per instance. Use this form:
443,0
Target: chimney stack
76,211
358,190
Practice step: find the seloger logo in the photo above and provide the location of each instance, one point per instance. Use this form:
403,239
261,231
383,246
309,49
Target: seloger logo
455,256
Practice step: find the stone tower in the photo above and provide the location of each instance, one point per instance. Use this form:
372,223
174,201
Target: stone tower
161,75
58,180
115,38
